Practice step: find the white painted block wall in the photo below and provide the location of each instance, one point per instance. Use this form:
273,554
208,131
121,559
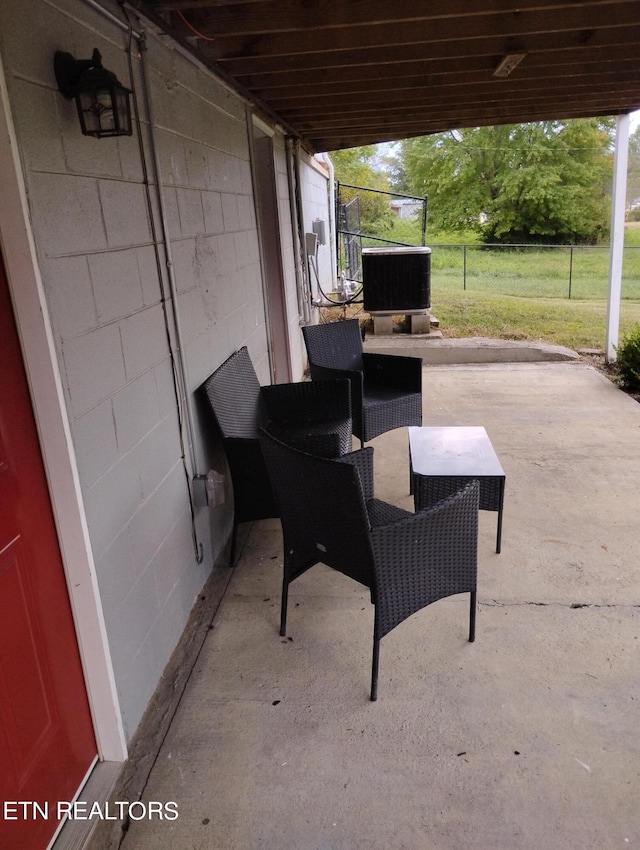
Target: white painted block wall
315,202
94,238
314,178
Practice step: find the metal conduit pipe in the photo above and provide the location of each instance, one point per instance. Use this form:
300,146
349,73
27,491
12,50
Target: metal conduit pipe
179,371
140,38
97,7
306,284
297,223
333,229
303,306
179,343
259,227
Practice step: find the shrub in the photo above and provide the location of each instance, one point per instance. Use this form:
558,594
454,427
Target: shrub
629,359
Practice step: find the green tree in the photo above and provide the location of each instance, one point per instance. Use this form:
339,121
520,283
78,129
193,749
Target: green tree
633,170
539,182
363,167
358,166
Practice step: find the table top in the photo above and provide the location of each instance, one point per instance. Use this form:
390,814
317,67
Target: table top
453,450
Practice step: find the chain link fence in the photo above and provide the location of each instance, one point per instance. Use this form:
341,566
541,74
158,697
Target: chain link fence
574,273
375,218
535,271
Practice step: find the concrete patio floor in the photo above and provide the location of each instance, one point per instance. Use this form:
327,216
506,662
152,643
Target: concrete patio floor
528,738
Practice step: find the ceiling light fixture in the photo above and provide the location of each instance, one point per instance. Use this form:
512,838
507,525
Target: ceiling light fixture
508,63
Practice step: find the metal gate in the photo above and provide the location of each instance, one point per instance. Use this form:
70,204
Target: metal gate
374,218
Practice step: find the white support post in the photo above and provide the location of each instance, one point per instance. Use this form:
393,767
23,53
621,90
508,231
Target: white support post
618,197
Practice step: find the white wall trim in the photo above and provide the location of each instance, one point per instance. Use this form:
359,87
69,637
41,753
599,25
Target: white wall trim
616,255
32,318
267,129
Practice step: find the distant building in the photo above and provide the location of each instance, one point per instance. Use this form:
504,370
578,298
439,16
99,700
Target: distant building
406,207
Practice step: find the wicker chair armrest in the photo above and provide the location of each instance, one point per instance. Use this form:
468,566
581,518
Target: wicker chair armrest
362,459
328,373
391,370
383,513
308,401
428,556
327,444
439,530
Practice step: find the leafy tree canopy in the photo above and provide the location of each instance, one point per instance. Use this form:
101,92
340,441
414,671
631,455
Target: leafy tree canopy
358,166
364,167
633,171
540,182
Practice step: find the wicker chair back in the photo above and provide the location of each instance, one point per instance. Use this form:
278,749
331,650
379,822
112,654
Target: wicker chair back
337,345
313,415
234,393
386,389
408,560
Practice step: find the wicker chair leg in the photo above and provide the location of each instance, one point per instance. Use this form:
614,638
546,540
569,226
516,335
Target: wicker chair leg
283,607
472,617
374,669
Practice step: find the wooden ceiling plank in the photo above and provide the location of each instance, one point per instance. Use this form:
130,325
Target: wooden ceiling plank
331,142
185,5
463,111
443,88
469,117
538,64
361,106
494,47
554,112
286,16
511,24
346,72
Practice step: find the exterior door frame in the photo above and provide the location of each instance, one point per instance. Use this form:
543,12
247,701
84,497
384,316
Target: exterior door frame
265,196
41,365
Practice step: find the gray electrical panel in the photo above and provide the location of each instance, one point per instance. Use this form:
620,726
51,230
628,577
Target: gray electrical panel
318,228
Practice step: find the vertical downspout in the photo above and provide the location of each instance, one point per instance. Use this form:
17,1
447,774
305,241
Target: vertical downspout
304,267
295,204
259,228
333,229
618,197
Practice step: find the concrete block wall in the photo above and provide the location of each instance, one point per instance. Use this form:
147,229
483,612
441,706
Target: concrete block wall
94,229
315,203
314,189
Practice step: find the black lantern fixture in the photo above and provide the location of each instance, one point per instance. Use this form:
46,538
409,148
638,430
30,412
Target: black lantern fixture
103,102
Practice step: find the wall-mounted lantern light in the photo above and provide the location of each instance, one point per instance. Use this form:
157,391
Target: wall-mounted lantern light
103,102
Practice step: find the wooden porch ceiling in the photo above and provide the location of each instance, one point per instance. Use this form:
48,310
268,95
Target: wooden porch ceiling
342,73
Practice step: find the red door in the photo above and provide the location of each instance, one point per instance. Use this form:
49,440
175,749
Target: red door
46,734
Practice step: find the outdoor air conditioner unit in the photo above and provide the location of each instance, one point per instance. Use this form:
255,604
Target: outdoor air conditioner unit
396,280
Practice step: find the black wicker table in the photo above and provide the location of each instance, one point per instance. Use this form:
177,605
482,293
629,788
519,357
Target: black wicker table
444,459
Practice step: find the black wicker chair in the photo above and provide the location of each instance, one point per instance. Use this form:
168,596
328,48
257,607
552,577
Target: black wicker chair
386,389
313,416
408,560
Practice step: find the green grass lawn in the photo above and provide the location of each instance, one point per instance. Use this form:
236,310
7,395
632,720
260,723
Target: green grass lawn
580,272
459,262
522,294
555,294
575,324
